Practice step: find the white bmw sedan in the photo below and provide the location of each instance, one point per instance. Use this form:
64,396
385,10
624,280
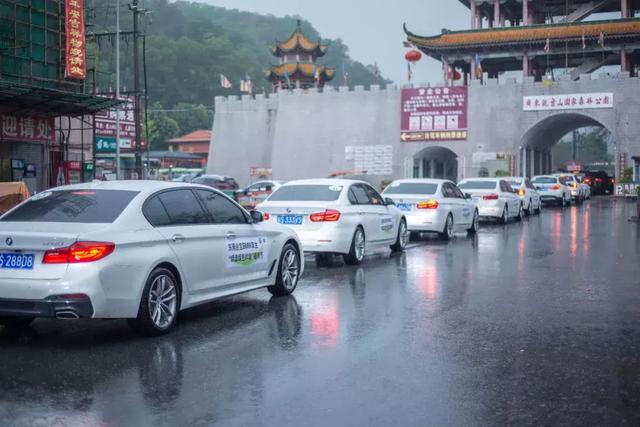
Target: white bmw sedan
494,197
139,250
527,192
552,189
337,216
433,205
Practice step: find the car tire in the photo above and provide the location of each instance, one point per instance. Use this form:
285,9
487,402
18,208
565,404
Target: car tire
288,272
563,202
539,208
159,305
504,219
520,215
475,223
15,322
447,233
529,210
402,238
357,249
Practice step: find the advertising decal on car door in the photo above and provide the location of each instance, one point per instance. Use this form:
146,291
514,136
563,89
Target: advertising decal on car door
246,251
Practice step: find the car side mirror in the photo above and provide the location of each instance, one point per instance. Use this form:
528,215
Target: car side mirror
389,201
256,217
467,196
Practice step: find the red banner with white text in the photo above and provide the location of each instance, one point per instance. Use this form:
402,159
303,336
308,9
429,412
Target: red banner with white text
76,67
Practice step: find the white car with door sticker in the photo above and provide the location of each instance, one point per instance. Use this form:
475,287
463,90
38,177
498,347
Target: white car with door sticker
433,205
494,197
140,250
337,216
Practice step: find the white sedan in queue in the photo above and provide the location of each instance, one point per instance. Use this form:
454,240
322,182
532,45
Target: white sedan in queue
337,216
138,250
531,201
433,205
552,189
494,197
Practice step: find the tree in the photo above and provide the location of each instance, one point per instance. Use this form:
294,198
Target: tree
161,127
191,117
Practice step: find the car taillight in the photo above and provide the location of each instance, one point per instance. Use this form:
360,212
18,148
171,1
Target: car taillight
598,180
490,197
329,215
587,181
266,216
521,192
429,204
78,252
555,187
613,181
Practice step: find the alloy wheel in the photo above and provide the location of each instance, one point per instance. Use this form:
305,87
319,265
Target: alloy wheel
290,268
359,244
404,234
162,301
449,227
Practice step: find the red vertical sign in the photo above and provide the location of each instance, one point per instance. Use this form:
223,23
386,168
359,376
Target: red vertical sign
76,67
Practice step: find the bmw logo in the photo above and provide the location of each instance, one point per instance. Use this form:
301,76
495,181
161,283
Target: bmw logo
288,210
9,241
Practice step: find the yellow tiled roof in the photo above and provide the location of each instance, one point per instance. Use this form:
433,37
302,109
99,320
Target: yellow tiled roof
305,69
528,34
301,42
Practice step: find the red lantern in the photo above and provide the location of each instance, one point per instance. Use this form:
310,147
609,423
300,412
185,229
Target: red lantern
413,56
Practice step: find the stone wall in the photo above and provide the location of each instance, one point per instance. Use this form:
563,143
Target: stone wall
304,134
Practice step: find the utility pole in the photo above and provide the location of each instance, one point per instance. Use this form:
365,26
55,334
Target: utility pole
136,87
118,176
574,145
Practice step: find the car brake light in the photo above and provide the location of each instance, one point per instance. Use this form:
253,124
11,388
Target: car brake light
613,181
329,215
490,197
266,216
587,181
521,192
429,204
598,180
78,252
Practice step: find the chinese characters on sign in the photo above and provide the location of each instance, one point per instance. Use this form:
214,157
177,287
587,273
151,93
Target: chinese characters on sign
26,128
106,128
434,114
370,159
567,102
76,68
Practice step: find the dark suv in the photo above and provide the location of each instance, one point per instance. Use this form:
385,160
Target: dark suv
600,182
226,184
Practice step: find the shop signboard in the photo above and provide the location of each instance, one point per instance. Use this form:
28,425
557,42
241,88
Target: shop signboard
27,128
434,114
108,145
106,127
76,67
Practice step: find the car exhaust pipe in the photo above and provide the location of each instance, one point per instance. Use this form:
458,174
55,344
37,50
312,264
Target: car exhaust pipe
66,315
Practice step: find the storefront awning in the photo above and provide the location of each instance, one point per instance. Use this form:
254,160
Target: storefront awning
30,100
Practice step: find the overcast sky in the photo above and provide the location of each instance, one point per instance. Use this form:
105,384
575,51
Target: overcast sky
372,29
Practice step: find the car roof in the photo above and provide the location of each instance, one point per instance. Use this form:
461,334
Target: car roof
325,181
485,178
214,176
419,181
545,176
142,186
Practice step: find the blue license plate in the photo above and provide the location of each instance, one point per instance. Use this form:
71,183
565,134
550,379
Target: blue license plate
290,219
404,207
16,261
542,188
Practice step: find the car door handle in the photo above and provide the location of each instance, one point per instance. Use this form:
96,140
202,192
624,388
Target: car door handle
231,235
177,238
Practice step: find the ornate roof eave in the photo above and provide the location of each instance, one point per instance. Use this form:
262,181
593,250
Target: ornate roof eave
299,69
495,37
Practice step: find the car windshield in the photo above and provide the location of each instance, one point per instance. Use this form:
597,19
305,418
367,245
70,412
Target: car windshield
478,185
515,183
411,188
306,193
566,179
544,180
80,206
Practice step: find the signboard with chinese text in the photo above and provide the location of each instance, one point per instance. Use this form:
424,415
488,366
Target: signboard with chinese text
567,102
76,67
370,159
434,114
27,128
260,171
106,128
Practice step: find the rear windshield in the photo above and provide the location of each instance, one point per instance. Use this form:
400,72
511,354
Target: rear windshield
411,188
306,193
81,206
566,179
544,180
515,183
478,185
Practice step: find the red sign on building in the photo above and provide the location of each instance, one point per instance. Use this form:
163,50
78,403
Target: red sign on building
27,128
434,114
76,67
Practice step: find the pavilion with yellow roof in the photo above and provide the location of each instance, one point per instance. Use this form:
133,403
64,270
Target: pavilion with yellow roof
298,65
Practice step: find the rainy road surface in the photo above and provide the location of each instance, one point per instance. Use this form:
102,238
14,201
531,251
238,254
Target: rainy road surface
532,323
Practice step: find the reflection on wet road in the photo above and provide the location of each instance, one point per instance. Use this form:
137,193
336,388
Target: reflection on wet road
532,323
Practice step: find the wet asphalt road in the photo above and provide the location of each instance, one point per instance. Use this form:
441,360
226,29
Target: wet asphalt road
532,323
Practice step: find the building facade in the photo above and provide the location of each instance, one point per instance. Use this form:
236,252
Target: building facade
532,72
196,142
